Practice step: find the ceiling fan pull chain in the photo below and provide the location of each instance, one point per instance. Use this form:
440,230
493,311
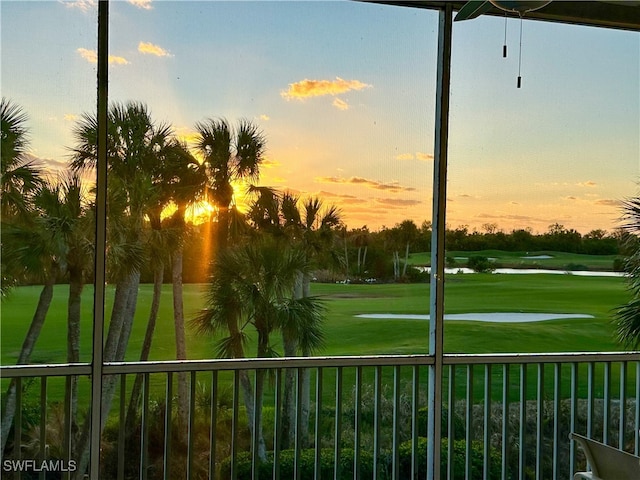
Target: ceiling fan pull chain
520,55
504,46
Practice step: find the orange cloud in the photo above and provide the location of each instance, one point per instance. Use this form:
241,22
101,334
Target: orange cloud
608,203
390,186
425,157
398,202
588,183
91,56
148,48
317,88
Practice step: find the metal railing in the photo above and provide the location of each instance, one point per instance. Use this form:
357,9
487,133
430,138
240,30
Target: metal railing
504,416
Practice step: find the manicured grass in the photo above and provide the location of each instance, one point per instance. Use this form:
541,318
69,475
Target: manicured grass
558,260
348,335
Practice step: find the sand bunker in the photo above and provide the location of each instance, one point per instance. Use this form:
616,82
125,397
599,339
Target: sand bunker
498,317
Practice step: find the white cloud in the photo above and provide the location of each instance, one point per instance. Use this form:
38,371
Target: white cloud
147,48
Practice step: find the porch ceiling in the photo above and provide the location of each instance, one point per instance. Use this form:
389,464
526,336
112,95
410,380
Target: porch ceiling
623,15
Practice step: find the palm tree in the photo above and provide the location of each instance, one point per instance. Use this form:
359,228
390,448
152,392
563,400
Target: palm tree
20,174
229,155
135,143
35,249
628,316
311,230
251,285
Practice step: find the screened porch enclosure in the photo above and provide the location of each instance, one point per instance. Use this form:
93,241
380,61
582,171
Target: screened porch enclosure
429,415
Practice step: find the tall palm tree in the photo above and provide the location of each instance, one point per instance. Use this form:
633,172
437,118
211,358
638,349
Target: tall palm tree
628,315
229,155
38,250
251,286
311,229
135,143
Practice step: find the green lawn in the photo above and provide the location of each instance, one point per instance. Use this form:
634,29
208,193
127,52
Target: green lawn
346,334
504,259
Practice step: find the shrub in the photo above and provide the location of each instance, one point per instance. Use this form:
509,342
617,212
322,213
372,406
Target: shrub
480,264
459,450
306,465
423,419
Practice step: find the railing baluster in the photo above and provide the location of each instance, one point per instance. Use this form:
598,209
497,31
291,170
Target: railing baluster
43,422
68,420
557,399
254,428
123,422
338,424
214,424
166,461
623,405
234,423
297,468
505,419
277,424
396,424
606,413
144,429
17,427
487,419
574,415
523,421
450,423
539,419
636,433
192,422
377,393
469,423
318,424
414,422
590,395
357,426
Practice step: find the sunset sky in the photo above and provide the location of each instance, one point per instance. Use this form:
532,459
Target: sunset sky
344,92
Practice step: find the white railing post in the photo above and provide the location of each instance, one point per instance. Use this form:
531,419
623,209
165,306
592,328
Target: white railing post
436,327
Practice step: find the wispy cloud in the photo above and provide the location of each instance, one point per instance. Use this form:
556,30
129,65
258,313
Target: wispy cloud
147,48
588,183
144,4
608,202
425,157
70,117
340,104
317,88
91,56
397,202
394,187
264,117
269,162
84,5
343,199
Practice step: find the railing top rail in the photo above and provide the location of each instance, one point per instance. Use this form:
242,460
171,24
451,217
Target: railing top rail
563,357
114,368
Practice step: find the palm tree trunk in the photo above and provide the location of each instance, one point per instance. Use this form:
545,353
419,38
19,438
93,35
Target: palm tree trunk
364,259
290,346
114,348
181,344
158,277
74,304
46,295
406,261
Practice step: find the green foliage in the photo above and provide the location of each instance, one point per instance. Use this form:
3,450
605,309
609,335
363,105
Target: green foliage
459,451
480,264
306,465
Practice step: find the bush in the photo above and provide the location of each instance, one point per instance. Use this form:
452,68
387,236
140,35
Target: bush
306,465
423,419
480,264
459,449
